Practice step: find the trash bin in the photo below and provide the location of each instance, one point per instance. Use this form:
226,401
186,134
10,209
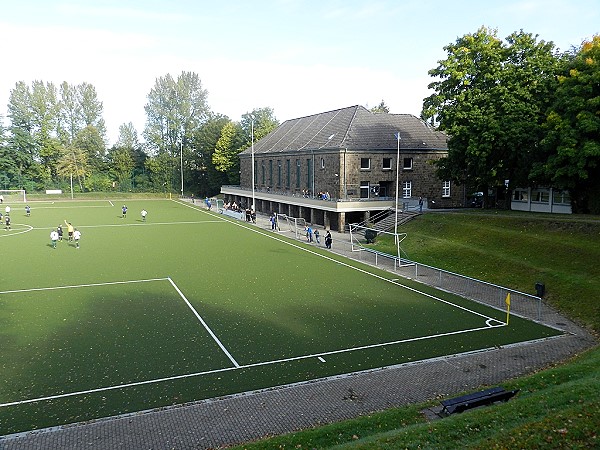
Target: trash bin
540,289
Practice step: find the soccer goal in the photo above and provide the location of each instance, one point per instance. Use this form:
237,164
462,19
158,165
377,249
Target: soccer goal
13,196
361,236
296,225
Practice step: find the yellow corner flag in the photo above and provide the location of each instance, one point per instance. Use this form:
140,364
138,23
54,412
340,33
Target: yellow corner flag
507,307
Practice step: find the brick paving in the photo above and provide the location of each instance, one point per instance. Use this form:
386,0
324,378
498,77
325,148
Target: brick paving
245,417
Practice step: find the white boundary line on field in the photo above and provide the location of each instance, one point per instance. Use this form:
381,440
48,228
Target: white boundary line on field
206,327
73,286
158,380
308,250
239,367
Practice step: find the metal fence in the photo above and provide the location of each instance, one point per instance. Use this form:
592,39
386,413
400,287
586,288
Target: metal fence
490,294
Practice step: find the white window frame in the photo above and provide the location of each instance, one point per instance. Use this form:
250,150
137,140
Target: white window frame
446,188
406,189
383,166
404,166
368,161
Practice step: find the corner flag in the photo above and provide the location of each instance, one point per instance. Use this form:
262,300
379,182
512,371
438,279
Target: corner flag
507,307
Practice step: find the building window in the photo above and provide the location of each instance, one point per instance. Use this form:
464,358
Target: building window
270,172
298,172
407,163
278,173
540,196
386,164
446,189
364,189
365,163
322,163
520,195
406,189
561,198
263,173
288,169
308,173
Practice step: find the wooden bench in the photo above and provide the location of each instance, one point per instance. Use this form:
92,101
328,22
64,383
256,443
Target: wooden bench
481,398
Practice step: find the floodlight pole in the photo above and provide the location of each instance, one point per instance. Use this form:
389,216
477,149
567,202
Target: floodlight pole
181,163
397,176
252,139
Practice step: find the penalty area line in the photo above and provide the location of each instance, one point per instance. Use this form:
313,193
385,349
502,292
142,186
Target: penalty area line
319,356
75,286
204,324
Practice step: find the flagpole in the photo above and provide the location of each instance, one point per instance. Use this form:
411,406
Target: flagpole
507,307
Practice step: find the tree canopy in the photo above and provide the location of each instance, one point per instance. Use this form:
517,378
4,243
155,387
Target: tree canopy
491,97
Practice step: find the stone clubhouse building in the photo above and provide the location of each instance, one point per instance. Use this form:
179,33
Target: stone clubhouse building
339,167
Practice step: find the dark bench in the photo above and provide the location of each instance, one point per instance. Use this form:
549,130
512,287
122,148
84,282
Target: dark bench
481,398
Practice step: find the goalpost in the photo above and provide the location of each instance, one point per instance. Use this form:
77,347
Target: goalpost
296,225
361,235
13,196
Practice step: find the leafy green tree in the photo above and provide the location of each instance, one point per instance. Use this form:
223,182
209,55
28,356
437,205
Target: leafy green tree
89,140
381,108
225,150
160,168
491,97
175,109
121,166
572,143
204,179
73,163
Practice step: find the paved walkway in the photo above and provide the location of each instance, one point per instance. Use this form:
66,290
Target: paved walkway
250,416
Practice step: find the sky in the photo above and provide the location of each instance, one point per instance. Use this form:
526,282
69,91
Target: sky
298,57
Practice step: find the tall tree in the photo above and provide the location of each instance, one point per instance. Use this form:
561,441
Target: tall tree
572,143
490,98
175,110
381,108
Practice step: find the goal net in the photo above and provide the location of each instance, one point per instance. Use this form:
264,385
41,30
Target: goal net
12,196
295,225
361,236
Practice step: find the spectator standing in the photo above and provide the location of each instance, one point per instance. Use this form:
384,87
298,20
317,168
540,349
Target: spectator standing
317,237
328,240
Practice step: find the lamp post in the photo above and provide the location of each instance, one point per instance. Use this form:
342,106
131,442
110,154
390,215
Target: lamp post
252,139
397,176
181,164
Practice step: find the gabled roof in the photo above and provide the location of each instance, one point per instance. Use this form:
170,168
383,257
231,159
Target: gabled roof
352,128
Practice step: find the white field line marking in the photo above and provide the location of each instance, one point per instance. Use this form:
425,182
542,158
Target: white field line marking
204,324
111,203
13,231
228,369
141,224
82,285
69,207
393,280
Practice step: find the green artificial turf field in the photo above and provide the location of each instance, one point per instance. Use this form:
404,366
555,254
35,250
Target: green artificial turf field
191,305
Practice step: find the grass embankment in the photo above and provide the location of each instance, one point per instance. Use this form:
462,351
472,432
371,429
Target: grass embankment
556,408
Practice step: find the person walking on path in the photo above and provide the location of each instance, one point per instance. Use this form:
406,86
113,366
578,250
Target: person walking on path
317,237
328,239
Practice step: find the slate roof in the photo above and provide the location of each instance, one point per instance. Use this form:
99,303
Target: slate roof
352,128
